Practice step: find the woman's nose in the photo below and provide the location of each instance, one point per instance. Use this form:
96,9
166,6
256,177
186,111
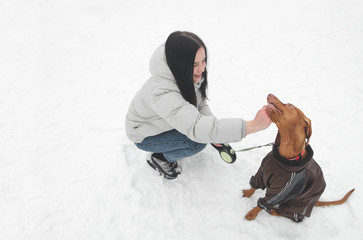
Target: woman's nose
201,68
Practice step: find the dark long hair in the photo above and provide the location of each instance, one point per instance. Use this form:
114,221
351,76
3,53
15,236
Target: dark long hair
180,51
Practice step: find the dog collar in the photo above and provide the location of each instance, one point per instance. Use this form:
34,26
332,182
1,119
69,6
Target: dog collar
298,156
285,161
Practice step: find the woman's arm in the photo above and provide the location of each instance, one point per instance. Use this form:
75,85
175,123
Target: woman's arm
260,122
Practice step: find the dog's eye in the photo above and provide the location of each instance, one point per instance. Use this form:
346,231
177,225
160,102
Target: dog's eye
290,105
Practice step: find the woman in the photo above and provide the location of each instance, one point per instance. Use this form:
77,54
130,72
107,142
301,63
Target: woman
169,116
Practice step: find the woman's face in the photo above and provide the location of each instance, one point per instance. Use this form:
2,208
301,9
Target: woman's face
199,65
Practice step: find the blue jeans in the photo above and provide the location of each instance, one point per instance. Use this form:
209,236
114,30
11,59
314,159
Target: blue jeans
172,144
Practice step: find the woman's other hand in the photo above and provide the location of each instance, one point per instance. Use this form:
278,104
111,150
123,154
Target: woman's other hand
217,144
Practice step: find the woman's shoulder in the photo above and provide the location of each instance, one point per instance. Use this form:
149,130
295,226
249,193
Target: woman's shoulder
160,85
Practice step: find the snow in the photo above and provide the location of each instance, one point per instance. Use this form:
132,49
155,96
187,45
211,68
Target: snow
69,70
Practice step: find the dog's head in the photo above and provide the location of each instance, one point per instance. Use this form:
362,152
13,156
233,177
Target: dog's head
288,118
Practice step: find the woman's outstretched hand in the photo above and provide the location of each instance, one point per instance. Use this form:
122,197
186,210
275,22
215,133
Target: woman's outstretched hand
260,122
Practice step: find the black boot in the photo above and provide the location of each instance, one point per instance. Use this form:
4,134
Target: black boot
170,170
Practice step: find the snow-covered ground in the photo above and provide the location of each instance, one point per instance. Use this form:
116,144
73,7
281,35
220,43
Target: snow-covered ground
69,69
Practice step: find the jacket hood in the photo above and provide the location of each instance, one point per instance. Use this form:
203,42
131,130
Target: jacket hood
158,66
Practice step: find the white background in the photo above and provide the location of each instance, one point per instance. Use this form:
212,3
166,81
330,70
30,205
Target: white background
69,69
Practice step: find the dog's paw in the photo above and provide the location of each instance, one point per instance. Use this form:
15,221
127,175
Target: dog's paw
252,214
248,192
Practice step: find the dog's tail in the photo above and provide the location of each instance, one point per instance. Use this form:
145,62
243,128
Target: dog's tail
341,201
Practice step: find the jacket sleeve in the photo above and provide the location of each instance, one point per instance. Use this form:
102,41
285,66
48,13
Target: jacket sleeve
256,181
185,117
204,109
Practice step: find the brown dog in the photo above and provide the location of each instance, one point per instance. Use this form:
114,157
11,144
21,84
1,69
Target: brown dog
293,180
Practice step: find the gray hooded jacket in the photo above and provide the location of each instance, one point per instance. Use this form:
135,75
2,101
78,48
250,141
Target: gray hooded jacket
159,107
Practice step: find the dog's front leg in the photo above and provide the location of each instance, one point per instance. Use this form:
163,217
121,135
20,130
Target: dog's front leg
248,192
252,214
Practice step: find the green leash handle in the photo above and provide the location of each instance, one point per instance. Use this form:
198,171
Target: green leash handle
228,154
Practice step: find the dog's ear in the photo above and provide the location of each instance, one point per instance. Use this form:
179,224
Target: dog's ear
277,140
308,130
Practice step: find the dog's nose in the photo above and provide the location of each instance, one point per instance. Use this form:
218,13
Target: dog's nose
270,96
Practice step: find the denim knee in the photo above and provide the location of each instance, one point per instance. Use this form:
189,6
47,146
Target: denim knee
188,151
172,144
199,147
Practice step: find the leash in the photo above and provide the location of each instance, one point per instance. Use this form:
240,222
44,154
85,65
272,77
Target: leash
250,148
